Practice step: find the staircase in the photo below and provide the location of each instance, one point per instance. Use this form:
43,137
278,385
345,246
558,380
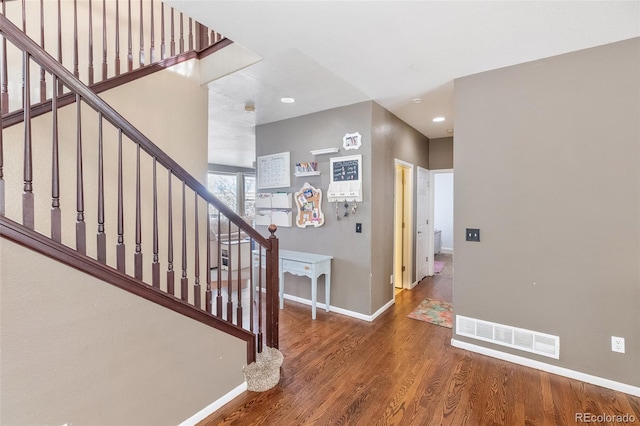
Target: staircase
126,182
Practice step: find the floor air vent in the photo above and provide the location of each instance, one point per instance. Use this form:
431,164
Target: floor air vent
513,337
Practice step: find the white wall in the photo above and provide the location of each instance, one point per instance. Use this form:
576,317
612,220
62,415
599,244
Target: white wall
443,207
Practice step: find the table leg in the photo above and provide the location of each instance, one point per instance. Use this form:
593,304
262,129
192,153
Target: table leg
327,290
314,294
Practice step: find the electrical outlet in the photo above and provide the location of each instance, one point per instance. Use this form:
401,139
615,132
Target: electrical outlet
391,279
358,228
617,344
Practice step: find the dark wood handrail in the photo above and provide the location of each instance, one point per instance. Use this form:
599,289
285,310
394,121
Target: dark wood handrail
55,250
16,36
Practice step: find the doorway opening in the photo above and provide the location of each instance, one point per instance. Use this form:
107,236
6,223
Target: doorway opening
403,225
441,218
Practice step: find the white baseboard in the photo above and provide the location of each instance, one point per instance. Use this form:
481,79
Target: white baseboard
337,310
415,283
214,406
554,369
446,250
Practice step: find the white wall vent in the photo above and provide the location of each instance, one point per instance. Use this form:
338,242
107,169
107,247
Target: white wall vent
505,335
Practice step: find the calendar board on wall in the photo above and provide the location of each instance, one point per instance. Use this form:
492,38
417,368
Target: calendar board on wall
274,170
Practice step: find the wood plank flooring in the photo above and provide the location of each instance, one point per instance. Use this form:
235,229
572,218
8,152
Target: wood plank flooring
343,371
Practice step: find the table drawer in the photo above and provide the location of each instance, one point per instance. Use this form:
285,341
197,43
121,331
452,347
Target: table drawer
296,267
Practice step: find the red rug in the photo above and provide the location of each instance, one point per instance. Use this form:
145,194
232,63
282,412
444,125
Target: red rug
433,311
438,265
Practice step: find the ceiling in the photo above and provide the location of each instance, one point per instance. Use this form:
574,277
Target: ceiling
327,54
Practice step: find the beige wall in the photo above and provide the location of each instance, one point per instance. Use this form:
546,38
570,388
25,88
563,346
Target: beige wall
170,108
441,153
78,351
548,167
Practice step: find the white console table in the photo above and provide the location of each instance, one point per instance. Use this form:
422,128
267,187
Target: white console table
303,264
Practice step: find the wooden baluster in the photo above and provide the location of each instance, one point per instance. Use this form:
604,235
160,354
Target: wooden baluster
153,48
219,270
213,38
239,267
141,56
252,286
27,195
173,38
24,30
163,51
196,282
43,83
2,207
170,271
81,229
259,295
272,296
130,52
104,40
229,277
190,34
101,238
4,102
181,33
184,281
90,43
155,266
207,298
117,38
76,71
120,246
137,256
56,220
60,86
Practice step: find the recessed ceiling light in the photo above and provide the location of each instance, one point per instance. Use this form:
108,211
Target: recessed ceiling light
438,119
417,101
449,130
287,100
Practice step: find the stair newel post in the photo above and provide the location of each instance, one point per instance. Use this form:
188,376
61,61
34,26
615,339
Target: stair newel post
76,72
207,298
229,277
219,271
137,256
4,92
101,238
90,43
27,195
152,57
170,271
43,84
120,247
81,230
155,265
163,47
117,61
173,36
196,283
184,280
239,269
104,40
130,41
272,308
141,55
56,219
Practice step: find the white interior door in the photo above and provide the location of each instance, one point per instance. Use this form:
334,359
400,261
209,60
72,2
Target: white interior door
422,224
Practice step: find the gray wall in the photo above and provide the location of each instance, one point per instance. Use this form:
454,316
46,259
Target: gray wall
392,138
362,262
441,153
548,167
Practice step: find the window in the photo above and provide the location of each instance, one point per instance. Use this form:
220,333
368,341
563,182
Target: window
235,190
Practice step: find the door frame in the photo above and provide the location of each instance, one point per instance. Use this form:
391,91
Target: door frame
409,222
432,196
427,234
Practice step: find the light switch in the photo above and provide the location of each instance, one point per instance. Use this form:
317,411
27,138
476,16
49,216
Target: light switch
473,234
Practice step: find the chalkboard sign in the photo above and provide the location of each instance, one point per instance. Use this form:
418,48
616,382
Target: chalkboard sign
344,169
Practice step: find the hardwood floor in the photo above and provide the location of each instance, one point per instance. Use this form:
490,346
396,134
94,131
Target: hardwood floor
339,370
